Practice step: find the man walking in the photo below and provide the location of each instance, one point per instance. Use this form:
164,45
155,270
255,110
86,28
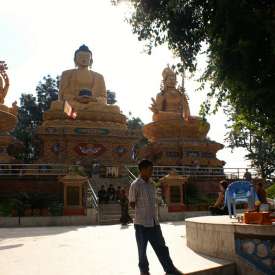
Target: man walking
142,198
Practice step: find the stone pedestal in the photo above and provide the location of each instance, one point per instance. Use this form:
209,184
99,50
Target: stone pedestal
250,246
173,190
177,138
74,186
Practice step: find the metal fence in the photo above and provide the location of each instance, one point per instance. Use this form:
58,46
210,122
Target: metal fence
34,169
229,173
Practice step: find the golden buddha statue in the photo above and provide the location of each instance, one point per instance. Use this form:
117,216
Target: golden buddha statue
85,91
4,81
171,102
82,84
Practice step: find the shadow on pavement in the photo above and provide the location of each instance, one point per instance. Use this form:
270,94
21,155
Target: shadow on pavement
9,233
10,246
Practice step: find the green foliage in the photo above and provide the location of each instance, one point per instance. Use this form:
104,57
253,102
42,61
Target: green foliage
24,200
47,91
249,135
6,207
191,193
56,209
193,196
271,191
134,123
30,116
240,40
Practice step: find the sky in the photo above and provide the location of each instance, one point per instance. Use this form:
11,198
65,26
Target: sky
39,38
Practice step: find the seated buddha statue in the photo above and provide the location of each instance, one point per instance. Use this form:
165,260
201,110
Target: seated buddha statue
171,102
83,88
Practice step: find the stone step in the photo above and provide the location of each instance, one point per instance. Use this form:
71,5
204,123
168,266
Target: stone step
192,263
111,218
226,269
112,212
187,260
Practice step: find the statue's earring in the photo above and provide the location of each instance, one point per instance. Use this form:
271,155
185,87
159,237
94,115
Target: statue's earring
91,62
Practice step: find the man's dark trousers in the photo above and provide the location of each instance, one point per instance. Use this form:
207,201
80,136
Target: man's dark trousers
154,236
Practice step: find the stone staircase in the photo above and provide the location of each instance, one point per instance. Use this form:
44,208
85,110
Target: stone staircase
97,182
110,213
198,264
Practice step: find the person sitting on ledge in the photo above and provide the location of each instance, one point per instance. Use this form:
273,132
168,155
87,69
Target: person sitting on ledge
218,208
261,193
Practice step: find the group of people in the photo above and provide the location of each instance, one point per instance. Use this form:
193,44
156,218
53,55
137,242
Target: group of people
219,207
110,194
116,195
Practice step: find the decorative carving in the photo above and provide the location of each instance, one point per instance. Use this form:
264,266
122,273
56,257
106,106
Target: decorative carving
120,150
90,149
57,148
51,130
257,250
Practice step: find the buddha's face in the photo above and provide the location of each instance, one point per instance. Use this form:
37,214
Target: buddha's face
83,59
171,81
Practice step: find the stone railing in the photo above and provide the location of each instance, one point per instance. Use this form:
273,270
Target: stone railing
228,173
7,169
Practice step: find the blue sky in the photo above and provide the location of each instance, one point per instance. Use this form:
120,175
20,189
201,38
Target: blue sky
40,37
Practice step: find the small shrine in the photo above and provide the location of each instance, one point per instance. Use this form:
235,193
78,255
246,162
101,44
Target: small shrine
8,116
173,186
74,194
176,138
80,127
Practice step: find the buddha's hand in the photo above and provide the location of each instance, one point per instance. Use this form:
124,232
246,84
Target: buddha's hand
85,99
154,107
5,77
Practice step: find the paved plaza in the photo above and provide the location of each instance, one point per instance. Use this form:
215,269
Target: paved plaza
89,250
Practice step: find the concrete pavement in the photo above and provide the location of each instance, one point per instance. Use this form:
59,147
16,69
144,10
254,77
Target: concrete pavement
91,250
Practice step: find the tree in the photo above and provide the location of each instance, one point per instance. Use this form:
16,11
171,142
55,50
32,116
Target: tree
47,91
134,123
30,115
28,120
261,150
240,40
111,97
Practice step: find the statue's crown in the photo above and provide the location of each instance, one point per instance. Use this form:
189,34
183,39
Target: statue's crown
83,48
166,72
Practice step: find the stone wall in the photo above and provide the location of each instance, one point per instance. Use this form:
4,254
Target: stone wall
13,184
218,237
90,219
